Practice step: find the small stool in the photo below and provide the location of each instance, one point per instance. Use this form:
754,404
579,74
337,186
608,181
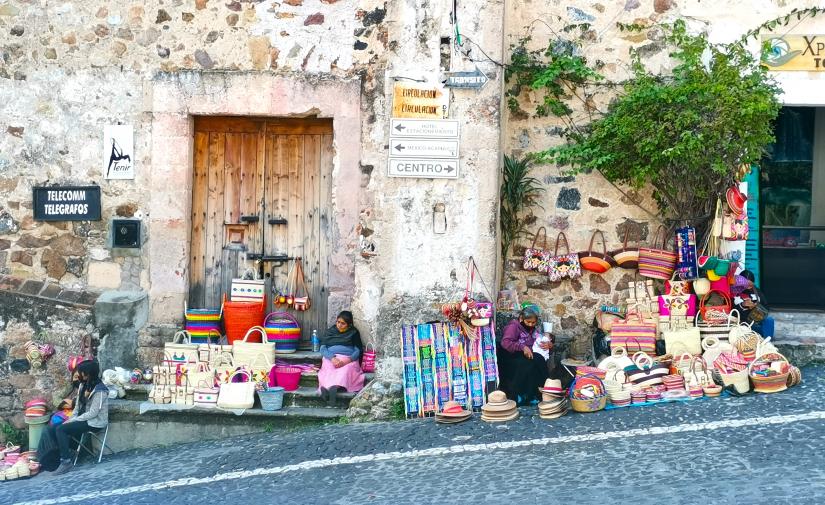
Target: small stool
93,436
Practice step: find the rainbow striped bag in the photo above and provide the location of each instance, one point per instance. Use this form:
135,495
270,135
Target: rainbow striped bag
283,330
657,263
634,335
203,323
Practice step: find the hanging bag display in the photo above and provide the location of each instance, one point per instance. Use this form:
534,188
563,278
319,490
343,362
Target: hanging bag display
687,267
237,395
536,258
301,303
563,266
283,330
244,352
598,262
634,334
657,262
626,257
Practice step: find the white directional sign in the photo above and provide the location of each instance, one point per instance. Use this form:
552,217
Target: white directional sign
423,148
423,168
430,128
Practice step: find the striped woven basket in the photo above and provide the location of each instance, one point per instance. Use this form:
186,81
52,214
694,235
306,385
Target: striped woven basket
284,331
778,370
201,323
655,262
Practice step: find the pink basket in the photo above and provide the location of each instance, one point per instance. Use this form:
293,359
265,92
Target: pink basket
287,377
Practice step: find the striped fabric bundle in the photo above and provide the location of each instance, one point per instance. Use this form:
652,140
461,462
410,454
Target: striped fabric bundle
657,262
201,323
634,335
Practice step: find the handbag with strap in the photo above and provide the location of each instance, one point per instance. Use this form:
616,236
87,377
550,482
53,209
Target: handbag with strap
598,262
202,372
247,290
626,257
301,303
721,329
680,338
645,372
160,394
237,395
224,368
181,350
536,258
563,266
634,334
698,374
687,266
641,293
720,313
677,305
713,348
657,262
260,368
85,353
245,352
368,359
206,395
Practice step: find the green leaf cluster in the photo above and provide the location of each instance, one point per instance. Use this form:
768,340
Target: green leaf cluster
519,193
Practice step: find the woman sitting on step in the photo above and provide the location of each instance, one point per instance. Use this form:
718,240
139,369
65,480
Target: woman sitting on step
523,370
341,349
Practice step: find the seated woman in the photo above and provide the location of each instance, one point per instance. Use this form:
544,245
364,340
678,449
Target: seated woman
91,413
747,300
341,348
522,370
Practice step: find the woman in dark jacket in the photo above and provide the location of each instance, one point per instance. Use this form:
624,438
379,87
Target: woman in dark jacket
341,349
522,371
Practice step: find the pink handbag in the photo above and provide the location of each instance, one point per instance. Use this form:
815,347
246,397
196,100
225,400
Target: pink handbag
677,305
368,360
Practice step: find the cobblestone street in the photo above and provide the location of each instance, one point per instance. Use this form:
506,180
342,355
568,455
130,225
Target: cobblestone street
745,450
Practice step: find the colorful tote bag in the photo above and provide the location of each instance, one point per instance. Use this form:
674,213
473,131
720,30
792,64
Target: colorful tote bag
634,334
677,305
598,262
657,262
536,258
626,257
561,266
687,267
735,226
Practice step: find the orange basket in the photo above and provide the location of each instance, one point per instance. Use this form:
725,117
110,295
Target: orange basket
238,317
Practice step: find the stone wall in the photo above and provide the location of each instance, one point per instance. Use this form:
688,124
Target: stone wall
68,69
45,313
579,205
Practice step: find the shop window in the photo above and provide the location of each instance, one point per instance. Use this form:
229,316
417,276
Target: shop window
792,210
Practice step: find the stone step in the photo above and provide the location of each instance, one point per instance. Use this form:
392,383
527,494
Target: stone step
304,396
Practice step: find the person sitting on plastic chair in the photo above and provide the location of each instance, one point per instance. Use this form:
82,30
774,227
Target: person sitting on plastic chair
91,413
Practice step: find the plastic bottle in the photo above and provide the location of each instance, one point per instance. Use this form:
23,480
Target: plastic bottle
316,344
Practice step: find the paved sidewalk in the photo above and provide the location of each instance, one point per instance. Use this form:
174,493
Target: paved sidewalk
731,450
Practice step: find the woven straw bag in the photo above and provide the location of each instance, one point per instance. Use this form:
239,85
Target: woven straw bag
244,353
713,347
181,350
237,395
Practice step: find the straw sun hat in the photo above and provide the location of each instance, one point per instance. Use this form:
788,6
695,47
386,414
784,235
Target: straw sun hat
499,408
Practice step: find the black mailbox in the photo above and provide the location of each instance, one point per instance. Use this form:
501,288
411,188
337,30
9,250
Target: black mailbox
126,233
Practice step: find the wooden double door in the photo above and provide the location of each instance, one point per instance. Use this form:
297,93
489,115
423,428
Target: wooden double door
260,200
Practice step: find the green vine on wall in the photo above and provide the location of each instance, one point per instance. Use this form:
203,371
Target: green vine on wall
685,133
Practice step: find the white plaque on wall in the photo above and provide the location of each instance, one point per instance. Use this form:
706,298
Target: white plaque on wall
118,152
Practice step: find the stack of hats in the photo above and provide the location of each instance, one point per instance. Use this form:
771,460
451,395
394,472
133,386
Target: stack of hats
452,413
499,408
36,407
554,408
552,390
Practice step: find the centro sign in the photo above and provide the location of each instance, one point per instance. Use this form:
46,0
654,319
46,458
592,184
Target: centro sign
423,168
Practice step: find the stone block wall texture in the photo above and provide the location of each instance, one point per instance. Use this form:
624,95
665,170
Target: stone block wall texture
579,205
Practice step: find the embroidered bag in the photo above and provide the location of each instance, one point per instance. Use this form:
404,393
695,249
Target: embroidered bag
536,258
561,266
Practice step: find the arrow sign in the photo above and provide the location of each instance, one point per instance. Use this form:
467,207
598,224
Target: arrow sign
424,128
424,148
423,168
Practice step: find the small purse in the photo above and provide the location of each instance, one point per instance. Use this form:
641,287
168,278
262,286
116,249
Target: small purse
561,266
536,258
626,257
598,262
368,360
300,303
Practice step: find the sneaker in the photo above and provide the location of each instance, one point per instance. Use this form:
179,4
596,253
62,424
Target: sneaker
65,466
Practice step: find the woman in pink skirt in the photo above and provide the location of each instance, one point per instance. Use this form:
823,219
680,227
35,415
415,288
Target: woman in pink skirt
341,349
